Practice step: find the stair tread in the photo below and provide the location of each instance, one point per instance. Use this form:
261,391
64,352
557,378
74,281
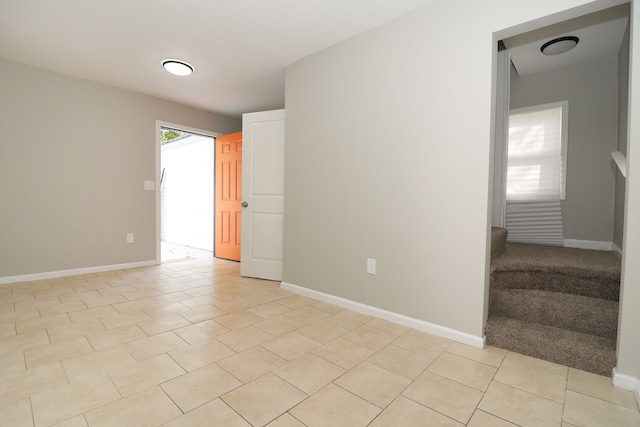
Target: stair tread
575,349
595,316
586,262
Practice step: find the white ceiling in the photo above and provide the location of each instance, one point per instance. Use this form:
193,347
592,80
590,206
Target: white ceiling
239,48
600,35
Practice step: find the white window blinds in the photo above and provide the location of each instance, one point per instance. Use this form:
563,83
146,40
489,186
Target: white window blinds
537,153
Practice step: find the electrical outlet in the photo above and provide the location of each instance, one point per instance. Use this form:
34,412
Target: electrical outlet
129,237
371,265
149,185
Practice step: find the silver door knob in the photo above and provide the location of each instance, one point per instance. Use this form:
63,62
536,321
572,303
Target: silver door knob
245,204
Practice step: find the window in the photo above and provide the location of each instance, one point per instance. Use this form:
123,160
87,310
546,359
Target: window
537,147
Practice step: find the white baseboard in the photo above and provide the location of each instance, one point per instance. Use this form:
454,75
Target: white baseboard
588,244
627,382
73,272
616,248
421,325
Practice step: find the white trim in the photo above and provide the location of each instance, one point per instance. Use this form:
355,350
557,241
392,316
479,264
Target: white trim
627,382
160,124
421,325
73,272
589,244
616,248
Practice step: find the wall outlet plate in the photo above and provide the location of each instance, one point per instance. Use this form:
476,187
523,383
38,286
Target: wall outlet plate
371,265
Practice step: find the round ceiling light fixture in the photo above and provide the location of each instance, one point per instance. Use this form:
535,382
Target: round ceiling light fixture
177,67
559,45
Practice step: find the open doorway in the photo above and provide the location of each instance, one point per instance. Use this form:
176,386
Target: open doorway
187,179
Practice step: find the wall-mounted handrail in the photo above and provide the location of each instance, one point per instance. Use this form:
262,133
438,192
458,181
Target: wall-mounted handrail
621,162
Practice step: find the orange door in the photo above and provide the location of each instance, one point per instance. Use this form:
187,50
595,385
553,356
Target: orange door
228,195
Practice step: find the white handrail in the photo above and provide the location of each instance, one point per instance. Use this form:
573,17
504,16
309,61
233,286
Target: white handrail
621,161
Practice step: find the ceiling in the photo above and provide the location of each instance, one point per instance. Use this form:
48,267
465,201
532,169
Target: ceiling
600,35
239,48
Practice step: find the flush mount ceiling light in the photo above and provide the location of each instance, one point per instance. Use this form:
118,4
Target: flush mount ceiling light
559,45
177,67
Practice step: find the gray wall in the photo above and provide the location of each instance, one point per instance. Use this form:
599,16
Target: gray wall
592,92
623,110
73,159
388,156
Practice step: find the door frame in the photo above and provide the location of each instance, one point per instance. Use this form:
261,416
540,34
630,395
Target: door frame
158,171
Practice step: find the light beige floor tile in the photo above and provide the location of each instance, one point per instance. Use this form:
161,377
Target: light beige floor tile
16,414
390,327
334,406
199,301
200,386
348,319
166,309
24,341
97,362
239,320
75,330
554,368
123,319
309,373
373,384
465,371
150,407
201,331
79,296
163,324
66,401
400,361
279,325
295,301
587,411
204,312
55,352
114,289
23,384
520,407
322,331
264,399
11,363
120,335
244,338
291,346
427,345
78,421
154,345
7,329
491,356
251,363
16,316
343,353
438,393
104,300
407,413
270,309
131,379
307,314
65,307
200,354
40,323
285,420
214,413
92,313
529,378
601,387
482,419
370,337
325,306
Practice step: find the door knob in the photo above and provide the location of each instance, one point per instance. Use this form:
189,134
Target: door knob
245,204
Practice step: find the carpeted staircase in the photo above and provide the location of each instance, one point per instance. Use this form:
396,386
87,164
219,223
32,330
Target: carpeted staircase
554,303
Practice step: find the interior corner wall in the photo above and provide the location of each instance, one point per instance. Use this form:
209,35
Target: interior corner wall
388,142
623,111
592,91
73,160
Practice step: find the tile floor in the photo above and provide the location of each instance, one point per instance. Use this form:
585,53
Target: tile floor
194,344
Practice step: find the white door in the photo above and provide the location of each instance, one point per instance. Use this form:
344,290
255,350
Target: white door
262,194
